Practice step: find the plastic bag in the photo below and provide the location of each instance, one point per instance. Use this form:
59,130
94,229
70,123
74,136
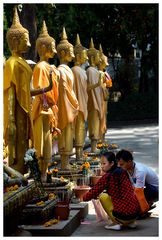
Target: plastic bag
101,215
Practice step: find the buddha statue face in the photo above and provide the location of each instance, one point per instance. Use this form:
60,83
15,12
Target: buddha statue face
70,54
93,55
65,50
51,50
94,58
97,58
17,36
23,44
103,62
46,48
67,55
80,52
45,44
83,56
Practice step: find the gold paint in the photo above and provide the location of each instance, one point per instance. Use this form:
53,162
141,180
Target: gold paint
44,39
64,44
93,54
15,32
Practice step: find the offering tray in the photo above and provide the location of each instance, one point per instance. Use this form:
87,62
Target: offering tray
92,154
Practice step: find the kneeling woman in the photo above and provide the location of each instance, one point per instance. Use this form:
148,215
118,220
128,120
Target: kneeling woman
116,194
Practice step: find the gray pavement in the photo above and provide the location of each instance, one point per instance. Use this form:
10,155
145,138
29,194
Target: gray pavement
143,141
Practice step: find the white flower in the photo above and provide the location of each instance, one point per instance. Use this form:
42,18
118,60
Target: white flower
29,154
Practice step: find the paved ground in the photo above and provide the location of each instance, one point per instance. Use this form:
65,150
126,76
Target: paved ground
143,140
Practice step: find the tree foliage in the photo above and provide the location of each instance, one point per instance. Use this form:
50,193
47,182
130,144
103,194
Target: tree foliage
117,27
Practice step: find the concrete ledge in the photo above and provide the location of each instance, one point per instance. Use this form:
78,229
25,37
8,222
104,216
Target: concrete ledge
82,207
63,228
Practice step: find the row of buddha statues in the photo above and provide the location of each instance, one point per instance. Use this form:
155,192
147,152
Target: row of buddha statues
35,110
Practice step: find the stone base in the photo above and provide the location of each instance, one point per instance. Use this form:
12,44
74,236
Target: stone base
33,214
21,233
13,204
82,207
72,175
62,228
62,192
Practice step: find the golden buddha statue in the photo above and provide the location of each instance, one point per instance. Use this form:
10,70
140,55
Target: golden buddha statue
45,108
17,101
67,101
94,96
80,89
106,84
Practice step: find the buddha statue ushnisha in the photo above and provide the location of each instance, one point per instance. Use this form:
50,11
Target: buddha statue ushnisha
80,89
45,108
67,102
106,84
17,101
94,96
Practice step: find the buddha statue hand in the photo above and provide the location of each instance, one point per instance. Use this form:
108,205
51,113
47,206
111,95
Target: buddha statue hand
50,78
76,104
39,90
46,105
11,141
13,177
102,78
45,102
56,130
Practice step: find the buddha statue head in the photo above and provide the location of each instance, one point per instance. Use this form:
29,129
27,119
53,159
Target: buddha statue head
45,44
80,52
65,50
93,55
103,63
17,36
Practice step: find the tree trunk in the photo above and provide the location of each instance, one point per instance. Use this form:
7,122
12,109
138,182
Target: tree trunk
28,20
141,83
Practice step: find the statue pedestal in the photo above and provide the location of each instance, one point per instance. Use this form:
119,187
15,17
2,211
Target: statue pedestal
62,228
34,214
63,193
72,175
82,207
13,203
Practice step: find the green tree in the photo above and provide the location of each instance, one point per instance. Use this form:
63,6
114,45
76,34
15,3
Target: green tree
116,26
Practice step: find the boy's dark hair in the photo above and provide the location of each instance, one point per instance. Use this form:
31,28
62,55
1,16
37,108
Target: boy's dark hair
125,155
110,156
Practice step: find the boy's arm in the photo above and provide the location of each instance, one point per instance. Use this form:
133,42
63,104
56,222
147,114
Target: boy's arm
139,191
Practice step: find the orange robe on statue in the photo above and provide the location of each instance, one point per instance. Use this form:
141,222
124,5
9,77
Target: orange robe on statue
44,119
95,112
68,109
80,89
105,96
